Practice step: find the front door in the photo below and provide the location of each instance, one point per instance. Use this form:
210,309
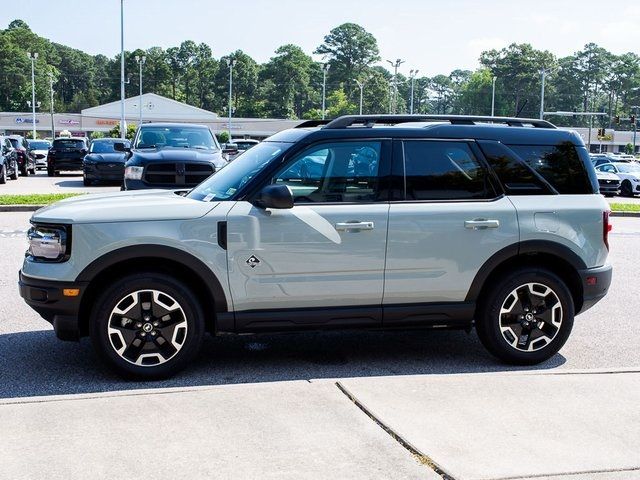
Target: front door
320,263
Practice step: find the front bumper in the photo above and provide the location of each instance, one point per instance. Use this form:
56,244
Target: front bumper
595,285
129,184
47,299
93,172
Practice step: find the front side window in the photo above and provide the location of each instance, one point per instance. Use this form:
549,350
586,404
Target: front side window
444,171
334,173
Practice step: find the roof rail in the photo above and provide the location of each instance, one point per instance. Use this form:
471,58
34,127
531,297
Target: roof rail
312,123
369,121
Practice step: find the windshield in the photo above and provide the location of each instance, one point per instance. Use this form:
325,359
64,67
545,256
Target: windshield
105,147
628,167
231,178
39,145
14,142
176,137
245,145
68,143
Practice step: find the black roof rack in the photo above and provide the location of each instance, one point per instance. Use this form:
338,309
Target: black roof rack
369,121
312,123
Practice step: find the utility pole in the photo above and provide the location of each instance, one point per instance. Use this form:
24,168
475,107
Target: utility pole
493,97
33,56
140,61
53,125
412,76
395,65
325,69
231,62
123,128
543,74
361,86
635,125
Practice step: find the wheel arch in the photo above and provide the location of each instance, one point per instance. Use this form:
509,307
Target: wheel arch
552,256
155,258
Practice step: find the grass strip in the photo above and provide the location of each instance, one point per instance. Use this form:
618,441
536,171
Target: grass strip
625,207
35,199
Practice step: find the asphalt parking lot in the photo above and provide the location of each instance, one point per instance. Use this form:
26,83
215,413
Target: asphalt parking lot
67,182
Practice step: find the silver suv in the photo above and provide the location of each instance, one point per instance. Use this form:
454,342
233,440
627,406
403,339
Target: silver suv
378,222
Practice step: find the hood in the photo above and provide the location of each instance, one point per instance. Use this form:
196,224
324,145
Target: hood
130,206
106,157
606,175
177,155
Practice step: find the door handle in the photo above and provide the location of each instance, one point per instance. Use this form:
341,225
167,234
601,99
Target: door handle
354,226
481,224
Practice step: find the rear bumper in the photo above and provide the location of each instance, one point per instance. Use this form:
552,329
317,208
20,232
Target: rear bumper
65,163
595,285
47,299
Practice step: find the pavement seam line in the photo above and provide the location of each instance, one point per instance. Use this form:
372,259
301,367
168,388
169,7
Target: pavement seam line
569,474
424,459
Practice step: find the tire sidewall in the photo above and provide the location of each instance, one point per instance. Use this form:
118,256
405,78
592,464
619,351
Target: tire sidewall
113,294
488,322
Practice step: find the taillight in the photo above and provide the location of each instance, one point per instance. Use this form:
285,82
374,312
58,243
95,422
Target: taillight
606,227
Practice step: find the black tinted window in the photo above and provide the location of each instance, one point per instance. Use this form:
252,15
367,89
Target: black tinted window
444,171
516,177
67,143
559,165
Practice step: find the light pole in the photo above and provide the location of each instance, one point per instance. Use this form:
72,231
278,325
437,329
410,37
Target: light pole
123,129
635,125
395,65
493,96
361,86
543,75
231,62
325,69
412,76
33,56
53,125
140,60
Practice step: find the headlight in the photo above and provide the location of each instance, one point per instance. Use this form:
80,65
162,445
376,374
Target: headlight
49,243
133,173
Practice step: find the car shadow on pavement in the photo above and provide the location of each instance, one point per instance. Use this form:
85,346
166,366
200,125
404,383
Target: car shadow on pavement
36,363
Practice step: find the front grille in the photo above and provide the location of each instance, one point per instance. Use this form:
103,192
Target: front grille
110,167
187,174
609,183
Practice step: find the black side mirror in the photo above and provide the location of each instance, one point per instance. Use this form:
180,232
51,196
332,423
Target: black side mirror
121,147
274,196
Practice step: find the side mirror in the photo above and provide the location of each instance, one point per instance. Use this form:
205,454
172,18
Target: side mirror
274,196
120,147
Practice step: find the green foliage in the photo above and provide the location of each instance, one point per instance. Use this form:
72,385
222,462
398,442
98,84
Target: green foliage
628,148
115,131
35,199
223,137
95,135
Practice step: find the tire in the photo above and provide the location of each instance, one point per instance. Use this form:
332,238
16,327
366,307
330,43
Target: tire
502,322
33,171
14,175
3,174
25,171
51,172
626,190
134,350
86,182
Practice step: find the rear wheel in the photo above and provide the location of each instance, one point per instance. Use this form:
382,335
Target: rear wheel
527,317
14,174
25,171
147,325
626,189
86,182
51,172
3,174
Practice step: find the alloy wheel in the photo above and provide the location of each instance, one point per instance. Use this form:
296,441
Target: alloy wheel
530,317
147,328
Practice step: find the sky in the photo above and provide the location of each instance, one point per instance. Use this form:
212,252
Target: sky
432,36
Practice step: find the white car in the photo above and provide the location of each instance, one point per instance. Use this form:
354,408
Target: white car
40,149
629,173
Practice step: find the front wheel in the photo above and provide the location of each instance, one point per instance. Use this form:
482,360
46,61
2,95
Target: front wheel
14,174
626,189
3,174
25,171
86,182
527,316
51,172
147,326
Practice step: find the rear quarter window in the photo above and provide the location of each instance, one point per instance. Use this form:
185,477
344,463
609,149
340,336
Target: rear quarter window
560,165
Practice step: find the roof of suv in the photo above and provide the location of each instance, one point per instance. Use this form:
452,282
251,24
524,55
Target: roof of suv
512,131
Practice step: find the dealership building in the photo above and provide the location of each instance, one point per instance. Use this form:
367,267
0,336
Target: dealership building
156,108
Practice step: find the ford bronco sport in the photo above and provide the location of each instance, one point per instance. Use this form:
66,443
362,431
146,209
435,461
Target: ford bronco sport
375,222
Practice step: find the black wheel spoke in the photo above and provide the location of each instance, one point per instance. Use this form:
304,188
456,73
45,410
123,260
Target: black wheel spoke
134,349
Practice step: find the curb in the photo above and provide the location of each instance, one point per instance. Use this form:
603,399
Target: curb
33,208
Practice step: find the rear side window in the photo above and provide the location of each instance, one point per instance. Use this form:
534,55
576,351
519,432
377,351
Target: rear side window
444,171
559,165
516,177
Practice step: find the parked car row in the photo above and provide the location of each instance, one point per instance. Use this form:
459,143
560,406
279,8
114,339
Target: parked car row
17,157
617,174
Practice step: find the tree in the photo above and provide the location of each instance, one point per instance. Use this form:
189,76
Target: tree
628,148
115,131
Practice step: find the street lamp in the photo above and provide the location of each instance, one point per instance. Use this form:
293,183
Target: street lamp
140,60
493,96
412,76
395,65
33,56
543,74
361,86
325,69
53,125
231,62
123,129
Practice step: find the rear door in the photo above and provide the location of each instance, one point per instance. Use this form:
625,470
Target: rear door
450,218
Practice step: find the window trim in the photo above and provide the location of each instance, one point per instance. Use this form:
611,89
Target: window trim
384,169
495,185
